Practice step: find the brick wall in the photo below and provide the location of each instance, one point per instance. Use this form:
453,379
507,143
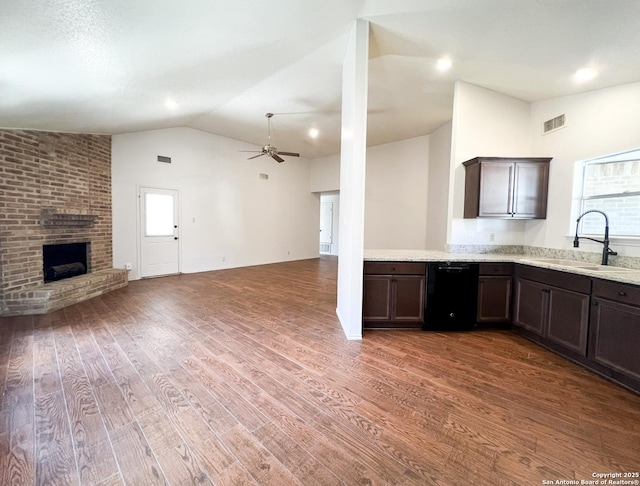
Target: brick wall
40,170
624,211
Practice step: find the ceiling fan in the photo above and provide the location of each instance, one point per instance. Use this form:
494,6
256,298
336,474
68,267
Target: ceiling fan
269,150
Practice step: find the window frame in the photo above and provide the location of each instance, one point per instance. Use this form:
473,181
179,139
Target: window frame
629,156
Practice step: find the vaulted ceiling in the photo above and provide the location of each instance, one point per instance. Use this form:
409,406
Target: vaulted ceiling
110,66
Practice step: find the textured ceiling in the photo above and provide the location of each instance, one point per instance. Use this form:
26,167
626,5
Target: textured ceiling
108,66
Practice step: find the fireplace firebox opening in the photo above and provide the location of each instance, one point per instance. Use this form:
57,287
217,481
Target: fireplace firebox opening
65,260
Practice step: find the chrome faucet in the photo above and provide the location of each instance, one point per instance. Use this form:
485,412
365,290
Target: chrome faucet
606,251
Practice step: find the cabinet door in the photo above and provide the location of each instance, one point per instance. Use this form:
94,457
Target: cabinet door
568,319
496,189
494,299
530,196
531,306
376,306
614,336
409,298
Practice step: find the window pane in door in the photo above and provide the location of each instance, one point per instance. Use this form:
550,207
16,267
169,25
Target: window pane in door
158,215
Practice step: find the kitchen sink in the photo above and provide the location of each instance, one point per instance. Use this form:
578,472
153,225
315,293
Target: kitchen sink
609,269
563,262
583,265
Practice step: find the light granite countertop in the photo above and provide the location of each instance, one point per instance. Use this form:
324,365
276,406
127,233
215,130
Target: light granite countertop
630,276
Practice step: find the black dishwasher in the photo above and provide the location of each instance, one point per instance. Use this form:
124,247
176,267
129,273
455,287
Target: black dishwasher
452,296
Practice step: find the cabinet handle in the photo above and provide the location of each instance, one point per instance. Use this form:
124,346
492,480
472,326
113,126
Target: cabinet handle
622,293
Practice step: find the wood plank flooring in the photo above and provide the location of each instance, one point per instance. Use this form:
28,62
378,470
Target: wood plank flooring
244,376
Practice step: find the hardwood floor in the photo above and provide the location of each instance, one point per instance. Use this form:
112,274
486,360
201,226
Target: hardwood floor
244,376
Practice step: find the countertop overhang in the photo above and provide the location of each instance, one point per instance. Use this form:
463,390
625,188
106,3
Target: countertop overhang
630,276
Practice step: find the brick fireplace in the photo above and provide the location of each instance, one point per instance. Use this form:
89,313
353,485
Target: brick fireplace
55,188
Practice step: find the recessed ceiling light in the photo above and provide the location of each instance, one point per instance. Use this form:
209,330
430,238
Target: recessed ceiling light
583,75
444,64
313,132
171,103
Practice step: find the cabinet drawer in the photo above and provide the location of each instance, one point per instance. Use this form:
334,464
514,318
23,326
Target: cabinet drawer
618,292
496,269
394,268
564,280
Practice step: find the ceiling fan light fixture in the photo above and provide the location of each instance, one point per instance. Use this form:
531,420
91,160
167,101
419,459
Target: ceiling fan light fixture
268,149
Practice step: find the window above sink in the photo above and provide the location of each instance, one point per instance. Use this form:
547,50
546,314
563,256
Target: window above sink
611,184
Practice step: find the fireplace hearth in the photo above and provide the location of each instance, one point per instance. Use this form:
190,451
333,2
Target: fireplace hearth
64,261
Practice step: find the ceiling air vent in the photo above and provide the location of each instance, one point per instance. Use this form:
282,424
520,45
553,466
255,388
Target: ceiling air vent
162,158
553,124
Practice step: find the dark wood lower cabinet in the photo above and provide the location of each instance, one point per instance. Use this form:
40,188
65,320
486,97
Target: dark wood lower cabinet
494,293
494,299
409,298
562,318
393,295
615,334
377,298
593,322
531,306
614,337
559,314
568,320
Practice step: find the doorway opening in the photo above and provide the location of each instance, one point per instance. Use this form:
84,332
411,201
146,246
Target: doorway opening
329,219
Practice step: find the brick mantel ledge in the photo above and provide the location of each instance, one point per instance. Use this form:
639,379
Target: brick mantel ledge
62,293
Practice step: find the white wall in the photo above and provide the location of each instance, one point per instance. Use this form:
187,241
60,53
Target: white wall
396,192
325,174
226,210
598,123
485,123
438,188
396,195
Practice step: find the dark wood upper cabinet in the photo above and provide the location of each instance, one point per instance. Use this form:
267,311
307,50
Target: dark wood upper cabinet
505,187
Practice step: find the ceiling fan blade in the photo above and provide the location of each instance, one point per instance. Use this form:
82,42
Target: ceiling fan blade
253,151
255,156
290,154
277,158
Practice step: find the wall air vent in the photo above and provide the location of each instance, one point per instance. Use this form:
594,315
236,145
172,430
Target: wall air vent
554,124
162,158
264,176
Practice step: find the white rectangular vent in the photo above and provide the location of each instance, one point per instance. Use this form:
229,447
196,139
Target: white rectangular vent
264,176
553,124
162,158
325,247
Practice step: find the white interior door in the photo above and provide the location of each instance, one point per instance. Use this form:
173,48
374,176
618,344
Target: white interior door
326,226
159,250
